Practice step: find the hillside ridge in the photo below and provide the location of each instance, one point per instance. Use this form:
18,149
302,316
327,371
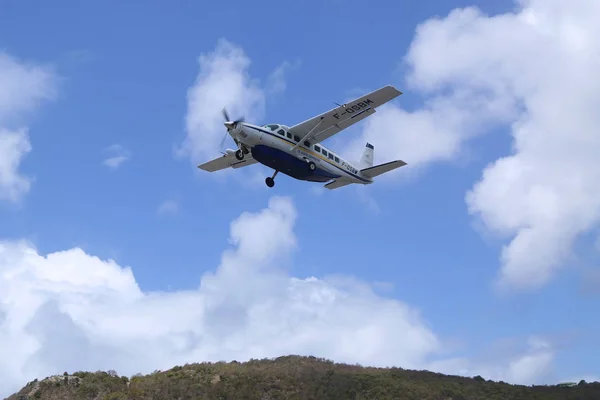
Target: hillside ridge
289,377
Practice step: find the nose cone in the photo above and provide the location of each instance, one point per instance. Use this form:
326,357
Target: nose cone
228,125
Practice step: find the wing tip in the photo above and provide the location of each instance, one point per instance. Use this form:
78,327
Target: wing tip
394,89
400,163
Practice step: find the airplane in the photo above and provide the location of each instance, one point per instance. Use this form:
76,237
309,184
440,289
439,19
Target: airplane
297,151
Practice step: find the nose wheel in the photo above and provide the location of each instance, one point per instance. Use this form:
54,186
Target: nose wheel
270,180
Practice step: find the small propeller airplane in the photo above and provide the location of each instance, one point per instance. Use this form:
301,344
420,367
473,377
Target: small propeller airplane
297,151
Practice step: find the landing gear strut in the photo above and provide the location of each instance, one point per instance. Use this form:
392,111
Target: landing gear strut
270,181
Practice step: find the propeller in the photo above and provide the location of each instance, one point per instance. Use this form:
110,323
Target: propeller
229,124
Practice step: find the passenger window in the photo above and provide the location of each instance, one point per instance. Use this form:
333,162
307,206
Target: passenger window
330,156
289,135
307,143
324,152
317,148
281,132
337,160
296,138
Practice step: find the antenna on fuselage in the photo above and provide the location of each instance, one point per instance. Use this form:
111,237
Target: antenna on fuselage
341,105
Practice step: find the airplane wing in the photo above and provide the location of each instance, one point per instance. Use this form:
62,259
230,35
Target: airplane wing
338,183
227,160
327,124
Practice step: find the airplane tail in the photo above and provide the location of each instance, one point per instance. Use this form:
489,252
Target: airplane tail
370,171
367,169
366,161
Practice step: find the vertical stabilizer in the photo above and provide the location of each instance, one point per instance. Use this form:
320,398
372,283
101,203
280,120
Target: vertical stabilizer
366,161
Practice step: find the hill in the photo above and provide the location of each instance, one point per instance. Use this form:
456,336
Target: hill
290,377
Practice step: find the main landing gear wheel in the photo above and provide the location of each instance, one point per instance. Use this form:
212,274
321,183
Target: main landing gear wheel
239,154
312,166
270,181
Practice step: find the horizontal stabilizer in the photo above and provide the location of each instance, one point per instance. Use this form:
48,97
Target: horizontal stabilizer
338,183
377,170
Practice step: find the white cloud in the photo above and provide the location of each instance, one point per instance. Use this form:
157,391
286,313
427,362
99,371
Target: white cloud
22,87
534,71
116,155
69,311
14,145
433,133
224,81
533,366
276,82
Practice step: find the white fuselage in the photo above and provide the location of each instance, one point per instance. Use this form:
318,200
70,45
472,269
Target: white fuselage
272,145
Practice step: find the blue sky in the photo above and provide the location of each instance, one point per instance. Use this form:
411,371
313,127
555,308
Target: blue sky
121,76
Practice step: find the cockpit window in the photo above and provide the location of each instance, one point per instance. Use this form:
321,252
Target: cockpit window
272,126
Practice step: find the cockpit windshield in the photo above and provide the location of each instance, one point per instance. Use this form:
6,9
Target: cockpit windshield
272,127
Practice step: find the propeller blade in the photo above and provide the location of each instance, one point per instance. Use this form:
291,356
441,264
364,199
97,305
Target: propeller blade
229,124
223,143
225,114
223,140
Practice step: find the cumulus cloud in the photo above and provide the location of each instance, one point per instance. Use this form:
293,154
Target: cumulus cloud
116,155
14,145
433,133
534,72
224,81
22,87
535,365
70,310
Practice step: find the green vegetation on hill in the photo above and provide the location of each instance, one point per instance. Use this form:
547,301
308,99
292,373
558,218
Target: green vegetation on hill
290,377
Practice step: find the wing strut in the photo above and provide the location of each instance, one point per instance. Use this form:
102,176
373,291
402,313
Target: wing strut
307,135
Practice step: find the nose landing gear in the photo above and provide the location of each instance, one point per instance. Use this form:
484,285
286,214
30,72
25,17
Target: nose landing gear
270,181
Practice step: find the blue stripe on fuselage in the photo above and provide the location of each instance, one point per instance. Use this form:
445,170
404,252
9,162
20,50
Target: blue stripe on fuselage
294,143
286,163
